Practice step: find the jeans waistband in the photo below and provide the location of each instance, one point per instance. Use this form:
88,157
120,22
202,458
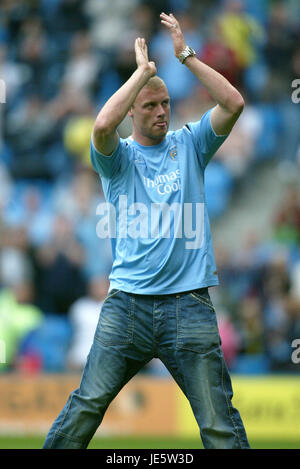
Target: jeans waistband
200,291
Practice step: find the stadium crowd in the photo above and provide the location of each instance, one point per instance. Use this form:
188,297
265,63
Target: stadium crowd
60,60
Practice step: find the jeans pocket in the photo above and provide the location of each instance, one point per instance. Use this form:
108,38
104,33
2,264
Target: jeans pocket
197,327
116,321
111,294
202,298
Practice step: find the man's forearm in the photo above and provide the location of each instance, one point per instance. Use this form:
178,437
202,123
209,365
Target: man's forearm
117,107
218,86
229,101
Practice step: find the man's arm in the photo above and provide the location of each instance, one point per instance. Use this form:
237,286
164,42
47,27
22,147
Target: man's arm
230,103
105,135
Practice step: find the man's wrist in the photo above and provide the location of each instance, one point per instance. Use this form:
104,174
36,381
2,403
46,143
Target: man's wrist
186,52
146,70
190,60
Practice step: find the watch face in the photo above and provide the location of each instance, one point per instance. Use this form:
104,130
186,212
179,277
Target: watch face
186,53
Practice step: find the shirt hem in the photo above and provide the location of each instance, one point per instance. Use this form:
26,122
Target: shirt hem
168,291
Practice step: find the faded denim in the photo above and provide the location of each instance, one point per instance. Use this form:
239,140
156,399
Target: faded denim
182,331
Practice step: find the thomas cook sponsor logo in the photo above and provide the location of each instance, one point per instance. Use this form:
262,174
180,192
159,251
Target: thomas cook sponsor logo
165,183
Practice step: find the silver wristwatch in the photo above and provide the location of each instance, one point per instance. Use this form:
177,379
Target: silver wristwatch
187,52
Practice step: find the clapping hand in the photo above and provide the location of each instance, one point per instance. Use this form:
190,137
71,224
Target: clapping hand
177,36
142,60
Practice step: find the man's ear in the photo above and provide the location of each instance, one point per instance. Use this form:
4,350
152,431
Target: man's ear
130,112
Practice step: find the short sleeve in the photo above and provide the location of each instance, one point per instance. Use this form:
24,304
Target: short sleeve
206,141
107,166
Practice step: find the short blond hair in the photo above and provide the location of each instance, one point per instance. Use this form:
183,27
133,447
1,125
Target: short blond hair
155,83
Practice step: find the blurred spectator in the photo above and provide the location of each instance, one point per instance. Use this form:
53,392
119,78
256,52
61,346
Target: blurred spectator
251,326
287,218
84,316
239,149
13,74
143,21
30,130
83,65
219,187
17,317
252,357
276,283
33,53
276,287
63,18
219,56
191,108
245,36
6,188
230,337
78,201
28,207
15,264
77,138
58,275
292,307
161,51
240,31
295,274
109,21
281,42
45,347
76,198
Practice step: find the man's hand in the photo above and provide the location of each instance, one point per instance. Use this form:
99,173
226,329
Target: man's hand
105,134
141,55
177,36
229,101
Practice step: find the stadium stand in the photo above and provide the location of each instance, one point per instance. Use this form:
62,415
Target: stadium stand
60,61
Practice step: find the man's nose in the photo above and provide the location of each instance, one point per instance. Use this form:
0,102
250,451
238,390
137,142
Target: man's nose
161,110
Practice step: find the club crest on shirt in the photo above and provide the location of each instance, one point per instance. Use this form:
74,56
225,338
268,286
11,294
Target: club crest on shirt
173,152
139,160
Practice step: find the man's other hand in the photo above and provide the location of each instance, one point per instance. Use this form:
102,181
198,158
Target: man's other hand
174,27
142,60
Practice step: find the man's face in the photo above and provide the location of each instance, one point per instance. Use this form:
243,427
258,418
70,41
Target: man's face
151,115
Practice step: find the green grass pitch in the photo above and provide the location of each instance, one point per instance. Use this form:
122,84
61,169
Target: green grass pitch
36,442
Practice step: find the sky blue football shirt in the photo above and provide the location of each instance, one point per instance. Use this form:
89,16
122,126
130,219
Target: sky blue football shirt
155,211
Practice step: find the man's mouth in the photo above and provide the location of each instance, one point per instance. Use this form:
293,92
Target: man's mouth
160,124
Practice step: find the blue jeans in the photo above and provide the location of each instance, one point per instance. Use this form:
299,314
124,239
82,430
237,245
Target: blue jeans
181,330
